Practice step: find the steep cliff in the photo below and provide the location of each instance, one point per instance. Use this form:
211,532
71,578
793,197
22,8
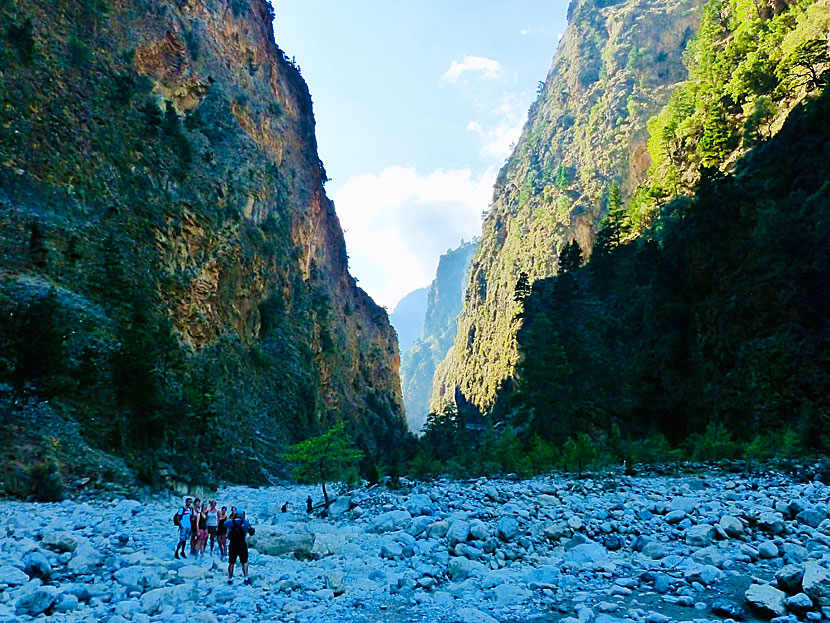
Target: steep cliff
616,67
408,318
445,301
174,284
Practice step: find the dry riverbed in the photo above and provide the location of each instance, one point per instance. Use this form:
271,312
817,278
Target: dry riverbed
643,549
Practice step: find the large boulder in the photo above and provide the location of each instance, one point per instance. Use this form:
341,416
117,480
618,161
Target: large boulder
140,578
732,526
586,554
36,602
419,504
459,532
12,576
60,542
390,522
85,560
294,540
328,544
772,523
340,506
766,600
507,528
816,583
789,578
510,595
701,535
35,565
460,569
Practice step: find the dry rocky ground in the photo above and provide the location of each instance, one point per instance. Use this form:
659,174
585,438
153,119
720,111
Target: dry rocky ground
641,549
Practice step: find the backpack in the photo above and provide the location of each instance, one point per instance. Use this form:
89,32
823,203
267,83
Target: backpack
177,519
235,532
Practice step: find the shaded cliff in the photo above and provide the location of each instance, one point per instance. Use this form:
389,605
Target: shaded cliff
616,67
174,284
445,301
408,318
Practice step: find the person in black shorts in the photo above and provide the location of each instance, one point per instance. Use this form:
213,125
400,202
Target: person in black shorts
238,531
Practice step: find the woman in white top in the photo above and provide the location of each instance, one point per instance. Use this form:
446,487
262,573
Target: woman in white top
212,523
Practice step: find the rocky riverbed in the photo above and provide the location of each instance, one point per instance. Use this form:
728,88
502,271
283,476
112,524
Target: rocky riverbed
644,549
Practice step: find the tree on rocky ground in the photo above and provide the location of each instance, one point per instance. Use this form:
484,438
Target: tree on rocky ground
326,458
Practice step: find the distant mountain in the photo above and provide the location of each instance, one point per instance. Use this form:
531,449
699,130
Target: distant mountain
408,318
446,298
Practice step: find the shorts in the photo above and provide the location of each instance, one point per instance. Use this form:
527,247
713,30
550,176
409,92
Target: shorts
238,550
203,534
184,533
212,530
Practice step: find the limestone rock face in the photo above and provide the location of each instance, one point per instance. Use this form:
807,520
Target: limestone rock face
166,235
615,67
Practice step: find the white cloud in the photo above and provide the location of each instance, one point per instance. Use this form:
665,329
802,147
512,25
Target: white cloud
398,222
490,69
497,138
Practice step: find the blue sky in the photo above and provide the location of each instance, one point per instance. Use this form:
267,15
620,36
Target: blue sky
417,105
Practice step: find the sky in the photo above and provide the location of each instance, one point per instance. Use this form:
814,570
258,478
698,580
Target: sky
417,105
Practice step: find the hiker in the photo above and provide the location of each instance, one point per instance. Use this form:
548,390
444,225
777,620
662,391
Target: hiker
201,542
222,532
182,519
238,530
194,526
285,508
309,505
212,524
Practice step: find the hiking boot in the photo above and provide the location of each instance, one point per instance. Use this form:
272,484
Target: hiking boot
176,555
230,581
246,581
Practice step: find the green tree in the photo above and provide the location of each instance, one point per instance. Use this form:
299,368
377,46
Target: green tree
570,257
579,452
803,66
326,458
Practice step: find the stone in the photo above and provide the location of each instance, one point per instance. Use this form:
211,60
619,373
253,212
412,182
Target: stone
701,535
460,569
419,525
816,583
12,576
558,530
510,595
340,506
707,575
479,530
85,560
60,542
327,544
789,578
586,553
685,504
438,529
193,572
36,602
654,550
732,526
772,523
767,549
299,542
507,528
766,600
458,532
811,517
127,508
66,602
138,578
546,576
391,550
35,565
473,615
675,516
613,543
419,504
657,617
793,552
390,522
799,603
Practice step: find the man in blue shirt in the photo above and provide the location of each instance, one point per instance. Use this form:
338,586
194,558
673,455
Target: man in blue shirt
238,530
184,526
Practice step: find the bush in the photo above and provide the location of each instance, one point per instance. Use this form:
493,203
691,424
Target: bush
45,481
578,453
714,444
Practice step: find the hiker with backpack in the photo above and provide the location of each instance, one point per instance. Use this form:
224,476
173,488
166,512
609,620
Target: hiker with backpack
238,530
182,520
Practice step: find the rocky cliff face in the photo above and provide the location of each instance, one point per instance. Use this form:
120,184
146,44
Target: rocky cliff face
408,318
445,301
174,285
615,68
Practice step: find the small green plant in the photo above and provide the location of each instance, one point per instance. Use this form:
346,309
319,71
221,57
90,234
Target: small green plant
80,54
45,481
21,36
578,453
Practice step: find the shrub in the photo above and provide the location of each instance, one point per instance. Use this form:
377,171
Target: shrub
45,481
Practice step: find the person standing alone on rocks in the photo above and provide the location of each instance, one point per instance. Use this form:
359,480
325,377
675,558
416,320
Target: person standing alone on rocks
238,530
184,527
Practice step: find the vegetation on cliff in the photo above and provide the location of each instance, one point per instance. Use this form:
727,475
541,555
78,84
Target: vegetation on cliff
615,68
444,303
174,290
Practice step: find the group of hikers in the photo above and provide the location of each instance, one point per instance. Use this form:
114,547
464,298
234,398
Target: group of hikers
200,522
